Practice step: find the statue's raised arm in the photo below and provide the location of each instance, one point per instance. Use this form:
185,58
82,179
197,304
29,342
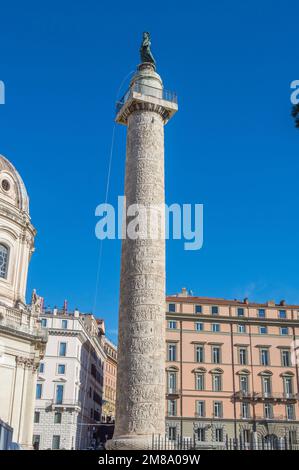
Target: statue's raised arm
145,49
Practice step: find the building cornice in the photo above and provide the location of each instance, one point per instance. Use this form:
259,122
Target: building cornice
230,319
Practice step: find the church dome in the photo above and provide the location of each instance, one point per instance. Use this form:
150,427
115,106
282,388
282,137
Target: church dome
12,188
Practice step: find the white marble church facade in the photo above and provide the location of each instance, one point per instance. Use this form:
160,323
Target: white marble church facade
22,341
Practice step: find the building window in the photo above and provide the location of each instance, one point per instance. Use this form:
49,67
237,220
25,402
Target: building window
246,435
198,326
171,352
293,436
61,369
201,434
199,353
245,410
200,409
199,381
171,381
171,407
288,386
240,312
55,442
266,386
59,394
64,324
215,310
243,356
263,330
217,409
41,368
244,384
215,327
241,328
172,325
172,433
217,382
62,349
282,314
171,308
39,390
43,323
5,185
284,330
264,354
4,252
285,358
57,417
216,354
268,411
36,441
36,417
198,309
261,313
219,435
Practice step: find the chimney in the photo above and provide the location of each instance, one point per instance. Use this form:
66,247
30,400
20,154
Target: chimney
246,301
184,292
271,303
282,303
76,313
55,311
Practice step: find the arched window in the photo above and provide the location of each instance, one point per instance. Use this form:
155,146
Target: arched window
4,252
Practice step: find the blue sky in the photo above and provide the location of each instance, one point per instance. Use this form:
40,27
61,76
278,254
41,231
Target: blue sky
232,145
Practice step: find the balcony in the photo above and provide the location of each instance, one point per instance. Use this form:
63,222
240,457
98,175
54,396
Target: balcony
173,391
242,395
245,417
64,405
141,93
262,396
271,418
277,396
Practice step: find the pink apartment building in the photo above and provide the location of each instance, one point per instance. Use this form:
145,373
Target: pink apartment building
231,369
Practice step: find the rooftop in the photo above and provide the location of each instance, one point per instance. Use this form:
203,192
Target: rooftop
185,296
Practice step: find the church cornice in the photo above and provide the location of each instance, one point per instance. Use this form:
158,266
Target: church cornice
22,219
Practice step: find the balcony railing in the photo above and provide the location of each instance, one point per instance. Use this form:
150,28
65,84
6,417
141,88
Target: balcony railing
148,91
276,396
260,396
64,404
271,418
18,321
241,394
172,391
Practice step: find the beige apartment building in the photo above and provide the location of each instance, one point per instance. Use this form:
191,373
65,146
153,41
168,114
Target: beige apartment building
108,414
231,369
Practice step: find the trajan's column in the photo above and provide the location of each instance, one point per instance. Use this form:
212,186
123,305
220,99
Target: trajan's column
140,397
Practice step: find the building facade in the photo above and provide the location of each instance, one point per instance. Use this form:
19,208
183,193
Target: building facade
231,369
110,381
22,342
70,382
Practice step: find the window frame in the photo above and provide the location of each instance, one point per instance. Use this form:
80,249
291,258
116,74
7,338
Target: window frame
213,312
239,310
39,386
169,349
59,349
7,261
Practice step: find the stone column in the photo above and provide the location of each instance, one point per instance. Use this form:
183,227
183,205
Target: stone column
140,397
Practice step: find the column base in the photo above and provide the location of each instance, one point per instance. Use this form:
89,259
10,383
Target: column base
133,442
